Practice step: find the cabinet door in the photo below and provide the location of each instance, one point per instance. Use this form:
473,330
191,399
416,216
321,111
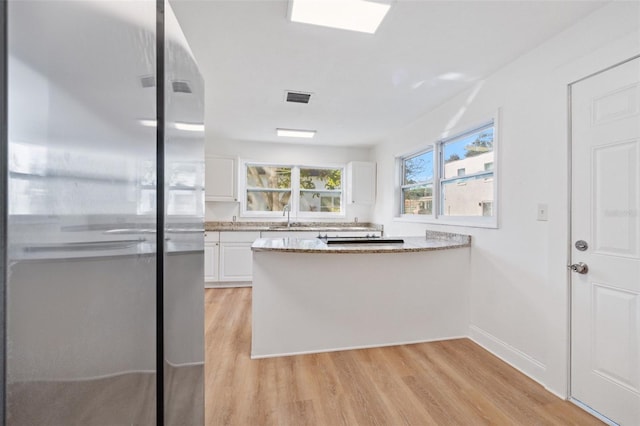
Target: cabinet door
236,262
211,251
220,179
362,182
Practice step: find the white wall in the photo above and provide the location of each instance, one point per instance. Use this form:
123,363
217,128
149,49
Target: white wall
519,282
283,153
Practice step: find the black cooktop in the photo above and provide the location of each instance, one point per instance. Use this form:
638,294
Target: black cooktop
361,240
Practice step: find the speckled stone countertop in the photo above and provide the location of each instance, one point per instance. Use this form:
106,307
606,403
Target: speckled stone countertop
295,226
433,240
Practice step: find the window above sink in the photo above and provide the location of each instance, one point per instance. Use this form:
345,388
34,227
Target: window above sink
310,191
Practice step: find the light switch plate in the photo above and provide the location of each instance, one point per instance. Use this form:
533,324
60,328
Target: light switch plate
543,213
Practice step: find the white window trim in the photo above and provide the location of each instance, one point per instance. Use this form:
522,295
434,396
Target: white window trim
437,218
294,201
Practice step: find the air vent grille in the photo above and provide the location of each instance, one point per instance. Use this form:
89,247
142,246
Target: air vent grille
148,81
298,97
181,86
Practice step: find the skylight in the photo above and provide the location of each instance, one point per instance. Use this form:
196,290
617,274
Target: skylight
355,15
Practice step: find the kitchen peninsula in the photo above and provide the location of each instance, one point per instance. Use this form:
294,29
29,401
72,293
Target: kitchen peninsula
310,296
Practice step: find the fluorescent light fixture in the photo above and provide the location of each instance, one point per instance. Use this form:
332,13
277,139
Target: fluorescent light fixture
355,15
148,123
189,127
291,133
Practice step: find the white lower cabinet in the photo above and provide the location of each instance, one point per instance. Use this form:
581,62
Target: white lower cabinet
211,257
211,253
236,262
228,258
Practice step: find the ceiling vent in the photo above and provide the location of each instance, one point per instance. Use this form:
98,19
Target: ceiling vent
181,86
297,97
148,81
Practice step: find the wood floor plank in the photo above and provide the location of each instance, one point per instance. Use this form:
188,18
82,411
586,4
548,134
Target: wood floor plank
452,382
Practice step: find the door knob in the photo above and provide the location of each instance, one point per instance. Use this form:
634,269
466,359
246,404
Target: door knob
580,268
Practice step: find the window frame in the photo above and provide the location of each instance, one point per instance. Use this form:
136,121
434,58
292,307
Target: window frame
437,217
294,200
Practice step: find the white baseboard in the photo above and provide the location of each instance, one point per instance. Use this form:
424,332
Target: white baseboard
227,284
349,348
594,413
512,356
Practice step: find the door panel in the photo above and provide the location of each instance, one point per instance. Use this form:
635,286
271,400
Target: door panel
615,338
605,348
616,195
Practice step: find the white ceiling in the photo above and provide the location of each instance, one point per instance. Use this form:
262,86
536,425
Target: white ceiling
365,86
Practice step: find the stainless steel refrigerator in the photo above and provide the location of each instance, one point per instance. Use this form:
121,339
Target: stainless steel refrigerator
103,158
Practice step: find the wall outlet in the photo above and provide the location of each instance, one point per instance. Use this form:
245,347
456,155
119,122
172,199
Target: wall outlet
543,212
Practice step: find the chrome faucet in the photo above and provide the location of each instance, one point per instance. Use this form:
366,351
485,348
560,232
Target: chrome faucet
287,210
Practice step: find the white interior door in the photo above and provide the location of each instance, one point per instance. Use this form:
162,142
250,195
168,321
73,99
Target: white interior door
605,348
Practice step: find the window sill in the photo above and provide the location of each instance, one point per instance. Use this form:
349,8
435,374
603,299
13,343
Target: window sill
469,222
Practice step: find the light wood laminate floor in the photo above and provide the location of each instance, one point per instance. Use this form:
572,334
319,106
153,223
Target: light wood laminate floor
452,382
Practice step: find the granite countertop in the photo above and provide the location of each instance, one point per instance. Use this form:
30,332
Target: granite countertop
295,227
431,241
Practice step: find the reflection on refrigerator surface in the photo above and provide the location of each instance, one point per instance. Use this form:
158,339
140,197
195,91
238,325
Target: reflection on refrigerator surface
82,247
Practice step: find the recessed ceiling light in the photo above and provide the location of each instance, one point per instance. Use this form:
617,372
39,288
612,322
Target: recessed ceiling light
291,133
355,15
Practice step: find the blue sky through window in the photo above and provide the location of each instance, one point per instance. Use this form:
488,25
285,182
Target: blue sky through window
418,168
457,147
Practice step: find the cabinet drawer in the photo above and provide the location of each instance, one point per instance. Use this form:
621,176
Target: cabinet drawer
211,237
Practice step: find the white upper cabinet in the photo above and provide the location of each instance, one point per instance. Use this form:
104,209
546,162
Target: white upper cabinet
220,179
362,182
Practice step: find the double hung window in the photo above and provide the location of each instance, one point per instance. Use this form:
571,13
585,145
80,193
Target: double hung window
417,184
452,181
309,191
